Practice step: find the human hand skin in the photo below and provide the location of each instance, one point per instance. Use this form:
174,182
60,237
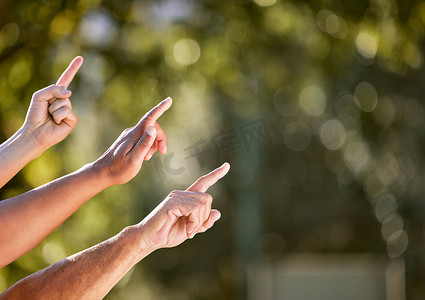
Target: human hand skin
28,218
92,273
123,160
182,214
49,119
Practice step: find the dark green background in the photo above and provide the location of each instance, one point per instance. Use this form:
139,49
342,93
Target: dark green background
254,83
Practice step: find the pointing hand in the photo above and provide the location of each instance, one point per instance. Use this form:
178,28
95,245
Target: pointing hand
182,214
50,117
123,160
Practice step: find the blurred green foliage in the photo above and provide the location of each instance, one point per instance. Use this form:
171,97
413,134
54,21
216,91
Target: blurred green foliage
337,84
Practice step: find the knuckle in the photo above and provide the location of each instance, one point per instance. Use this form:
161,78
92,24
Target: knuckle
168,209
208,198
198,203
172,204
53,87
150,113
174,192
144,143
149,116
126,132
66,110
37,94
133,162
67,102
198,195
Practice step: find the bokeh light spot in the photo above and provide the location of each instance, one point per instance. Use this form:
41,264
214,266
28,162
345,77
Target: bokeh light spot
366,96
312,100
20,73
391,224
397,243
62,23
387,169
186,52
278,19
412,56
53,252
332,24
43,169
284,101
366,44
357,156
9,34
333,134
265,2
385,206
98,28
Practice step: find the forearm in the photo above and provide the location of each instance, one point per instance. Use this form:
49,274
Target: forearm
16,152
89,274
27,219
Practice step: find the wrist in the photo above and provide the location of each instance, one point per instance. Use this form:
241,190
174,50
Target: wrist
27,142
114,170
97,172
134,235
103,171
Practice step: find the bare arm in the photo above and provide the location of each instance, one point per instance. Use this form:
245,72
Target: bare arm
15,153
89,274
25,220
92,273
28,218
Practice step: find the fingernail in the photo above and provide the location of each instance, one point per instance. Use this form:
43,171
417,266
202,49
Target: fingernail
167,99
151,130
65,91
148,157
165,149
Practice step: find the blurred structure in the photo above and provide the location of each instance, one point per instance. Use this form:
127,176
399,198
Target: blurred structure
330,277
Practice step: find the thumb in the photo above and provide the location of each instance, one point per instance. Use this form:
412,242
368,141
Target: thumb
144,143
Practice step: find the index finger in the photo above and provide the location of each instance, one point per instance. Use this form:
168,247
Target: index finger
206,181
154,114
70,72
